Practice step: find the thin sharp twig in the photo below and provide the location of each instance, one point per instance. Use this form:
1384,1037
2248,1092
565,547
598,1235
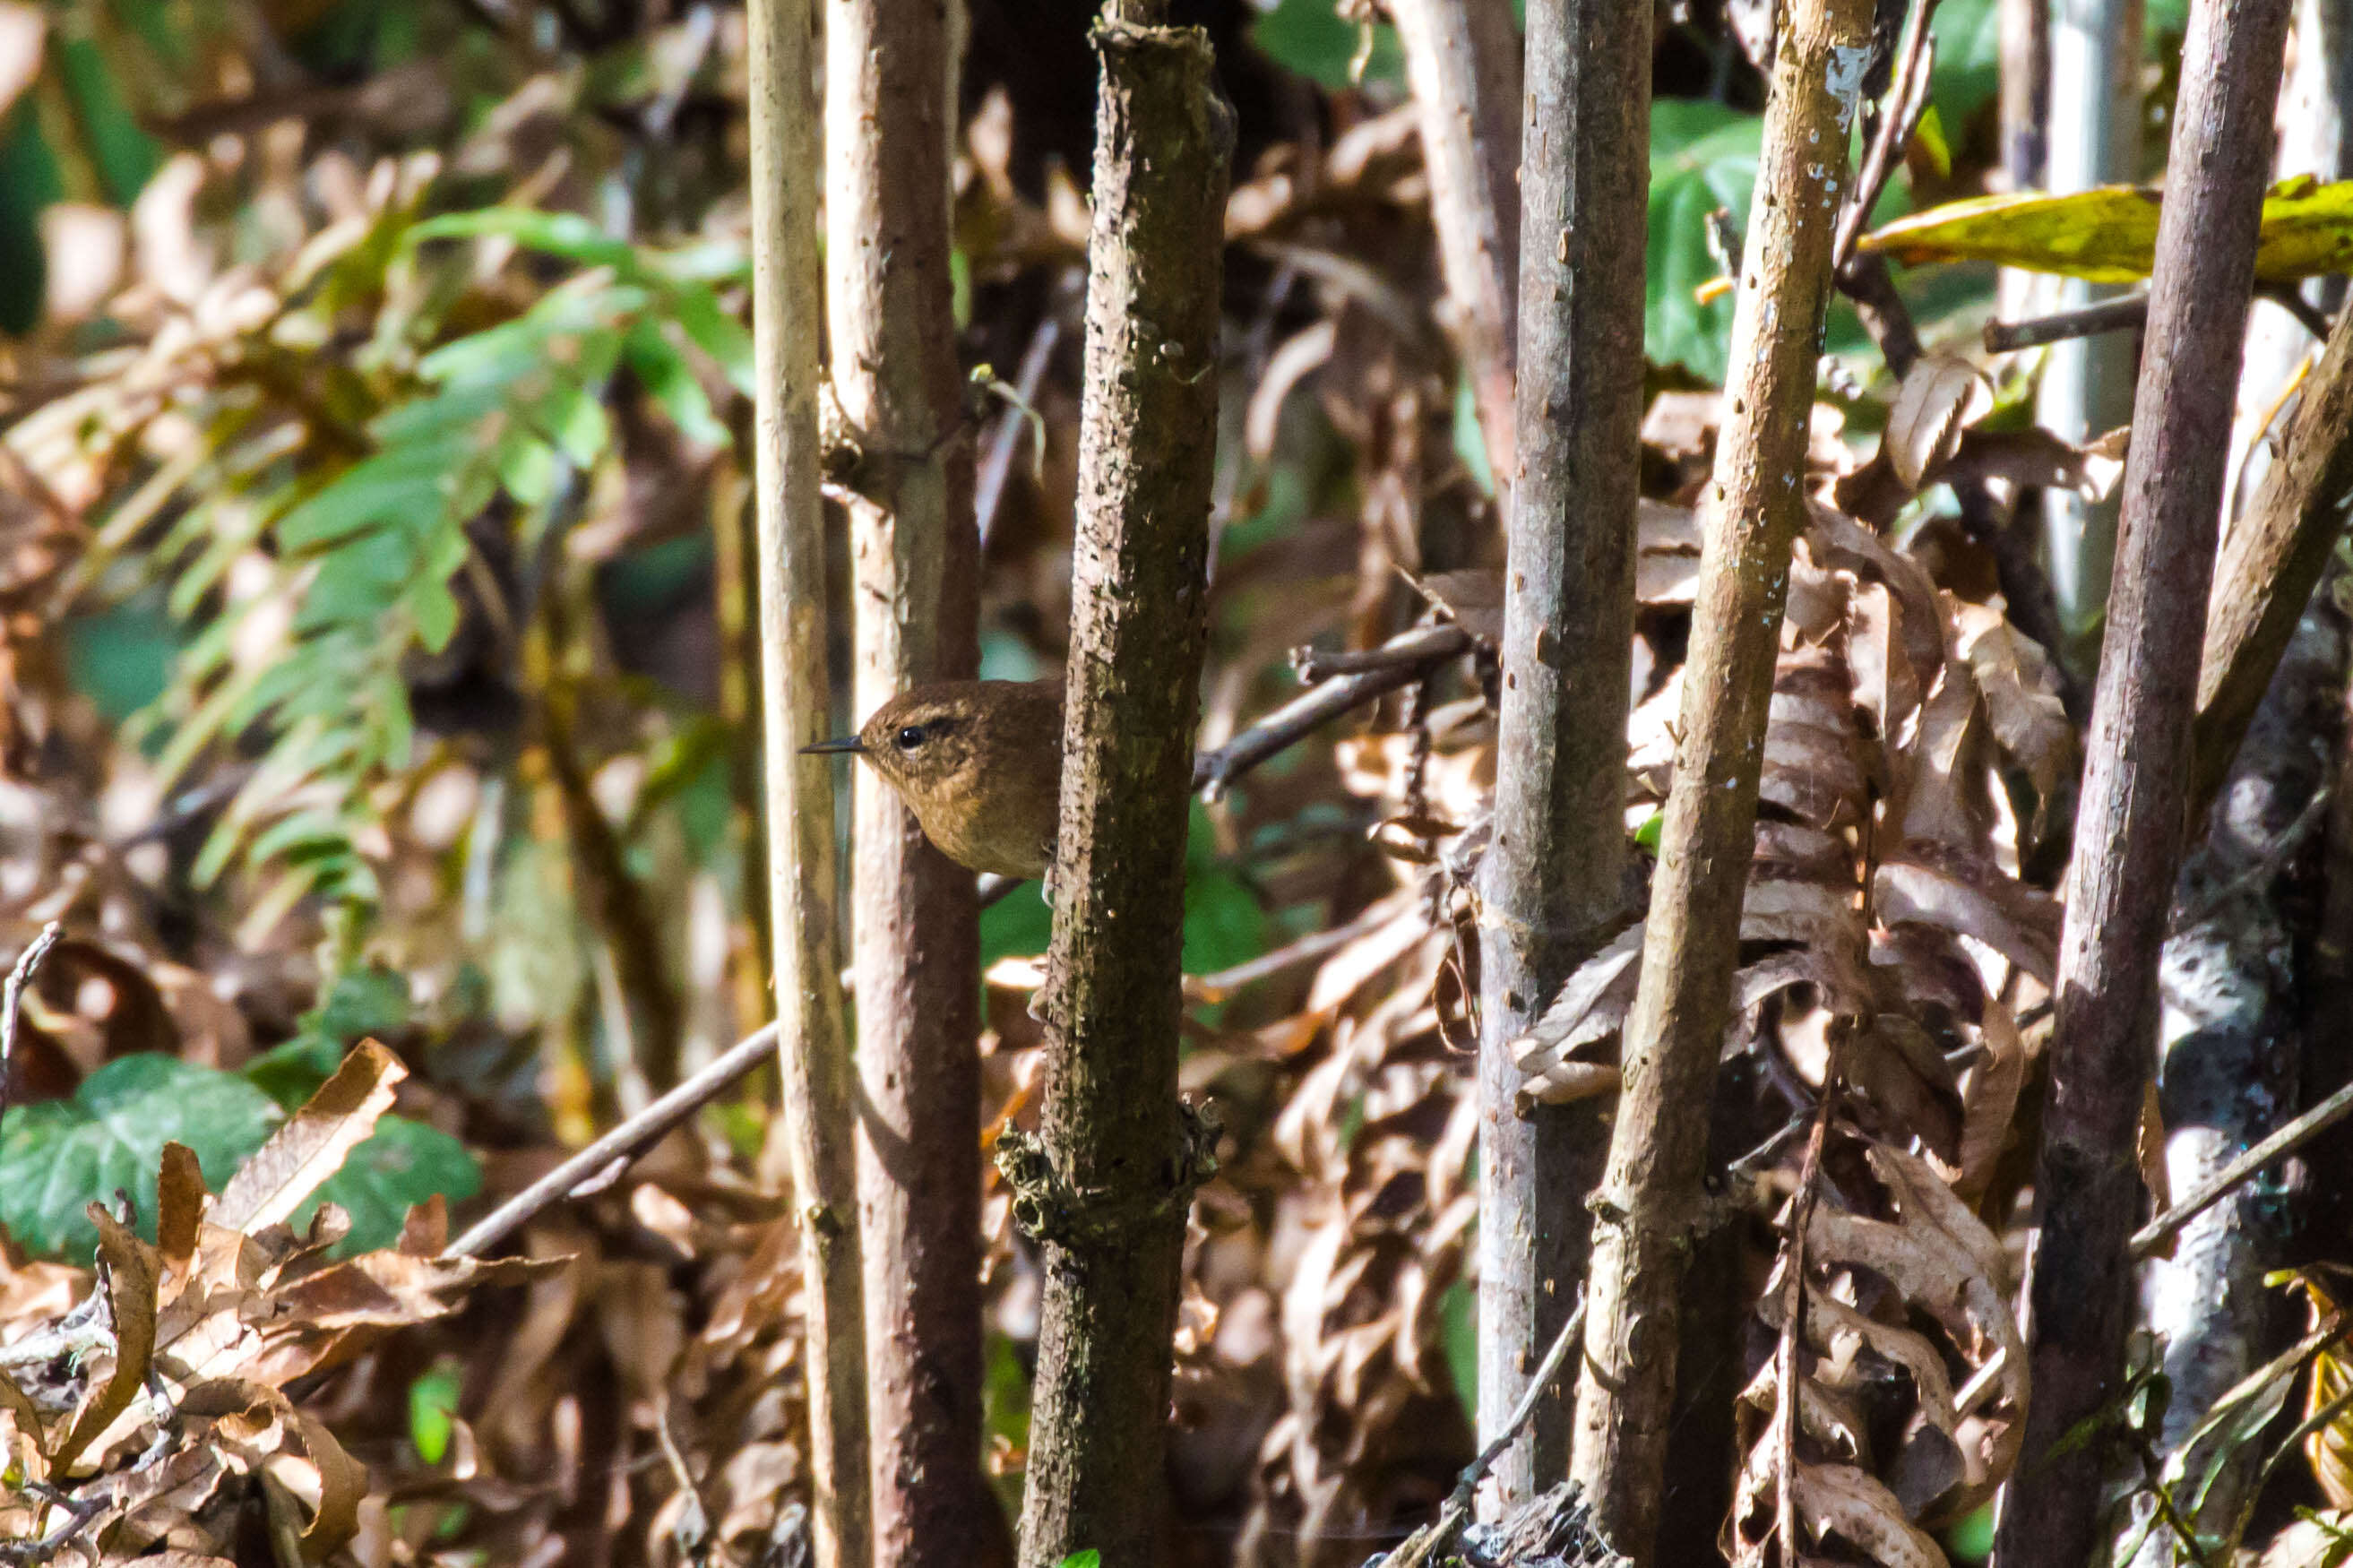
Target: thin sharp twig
1424,1545
2129,314
1906,101
2311,1124
623,1143
28,965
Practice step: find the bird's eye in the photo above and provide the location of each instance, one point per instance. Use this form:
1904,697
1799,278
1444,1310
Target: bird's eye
910,738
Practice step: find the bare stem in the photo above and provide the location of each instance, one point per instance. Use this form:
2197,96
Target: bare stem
1464,63
1650,1200
1106,1186
2129,828
1551,883
816,1062
914,928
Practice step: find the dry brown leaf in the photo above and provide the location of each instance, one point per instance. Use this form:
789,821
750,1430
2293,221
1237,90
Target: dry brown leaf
2329,1449
1472,599
2021,700
1993,1098
1941,395
1839,1499
2149,1148
1971,898
1666,557
263,1429
180,1208
28,1416
2036,458
132,1270
1840,543
311,1145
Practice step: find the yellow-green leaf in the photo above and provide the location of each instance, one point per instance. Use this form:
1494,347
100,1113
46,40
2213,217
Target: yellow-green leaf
2109,235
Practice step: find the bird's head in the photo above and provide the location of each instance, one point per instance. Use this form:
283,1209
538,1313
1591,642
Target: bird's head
978,762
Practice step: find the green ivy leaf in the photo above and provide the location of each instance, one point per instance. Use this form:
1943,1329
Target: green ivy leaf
402,1164
59,1155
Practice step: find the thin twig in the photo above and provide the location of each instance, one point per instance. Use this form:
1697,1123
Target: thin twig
632,1137
1426,1543
2308,316
1224,982
1396,663
1906,101
79,1512
997,465
1314,665
2130,313
1215,771
2313,1123
28,964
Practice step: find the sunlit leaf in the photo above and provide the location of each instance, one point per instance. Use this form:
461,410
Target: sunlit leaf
2109,235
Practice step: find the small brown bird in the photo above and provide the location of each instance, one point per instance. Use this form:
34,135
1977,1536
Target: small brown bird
981,764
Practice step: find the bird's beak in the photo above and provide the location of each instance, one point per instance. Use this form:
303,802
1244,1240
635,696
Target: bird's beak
845,743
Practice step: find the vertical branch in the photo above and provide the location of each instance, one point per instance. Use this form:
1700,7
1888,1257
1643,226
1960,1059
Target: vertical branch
1463,60
1552,877
1649,1194
2128,834
2093,100
915,931
813,1044
1106,1187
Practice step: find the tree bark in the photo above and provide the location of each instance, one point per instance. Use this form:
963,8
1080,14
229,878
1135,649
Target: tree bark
1552,877
1651,1194
1105,1188
815,1047
915,927
1462,58
2130,828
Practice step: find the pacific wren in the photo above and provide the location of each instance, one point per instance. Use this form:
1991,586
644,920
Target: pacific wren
981,764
